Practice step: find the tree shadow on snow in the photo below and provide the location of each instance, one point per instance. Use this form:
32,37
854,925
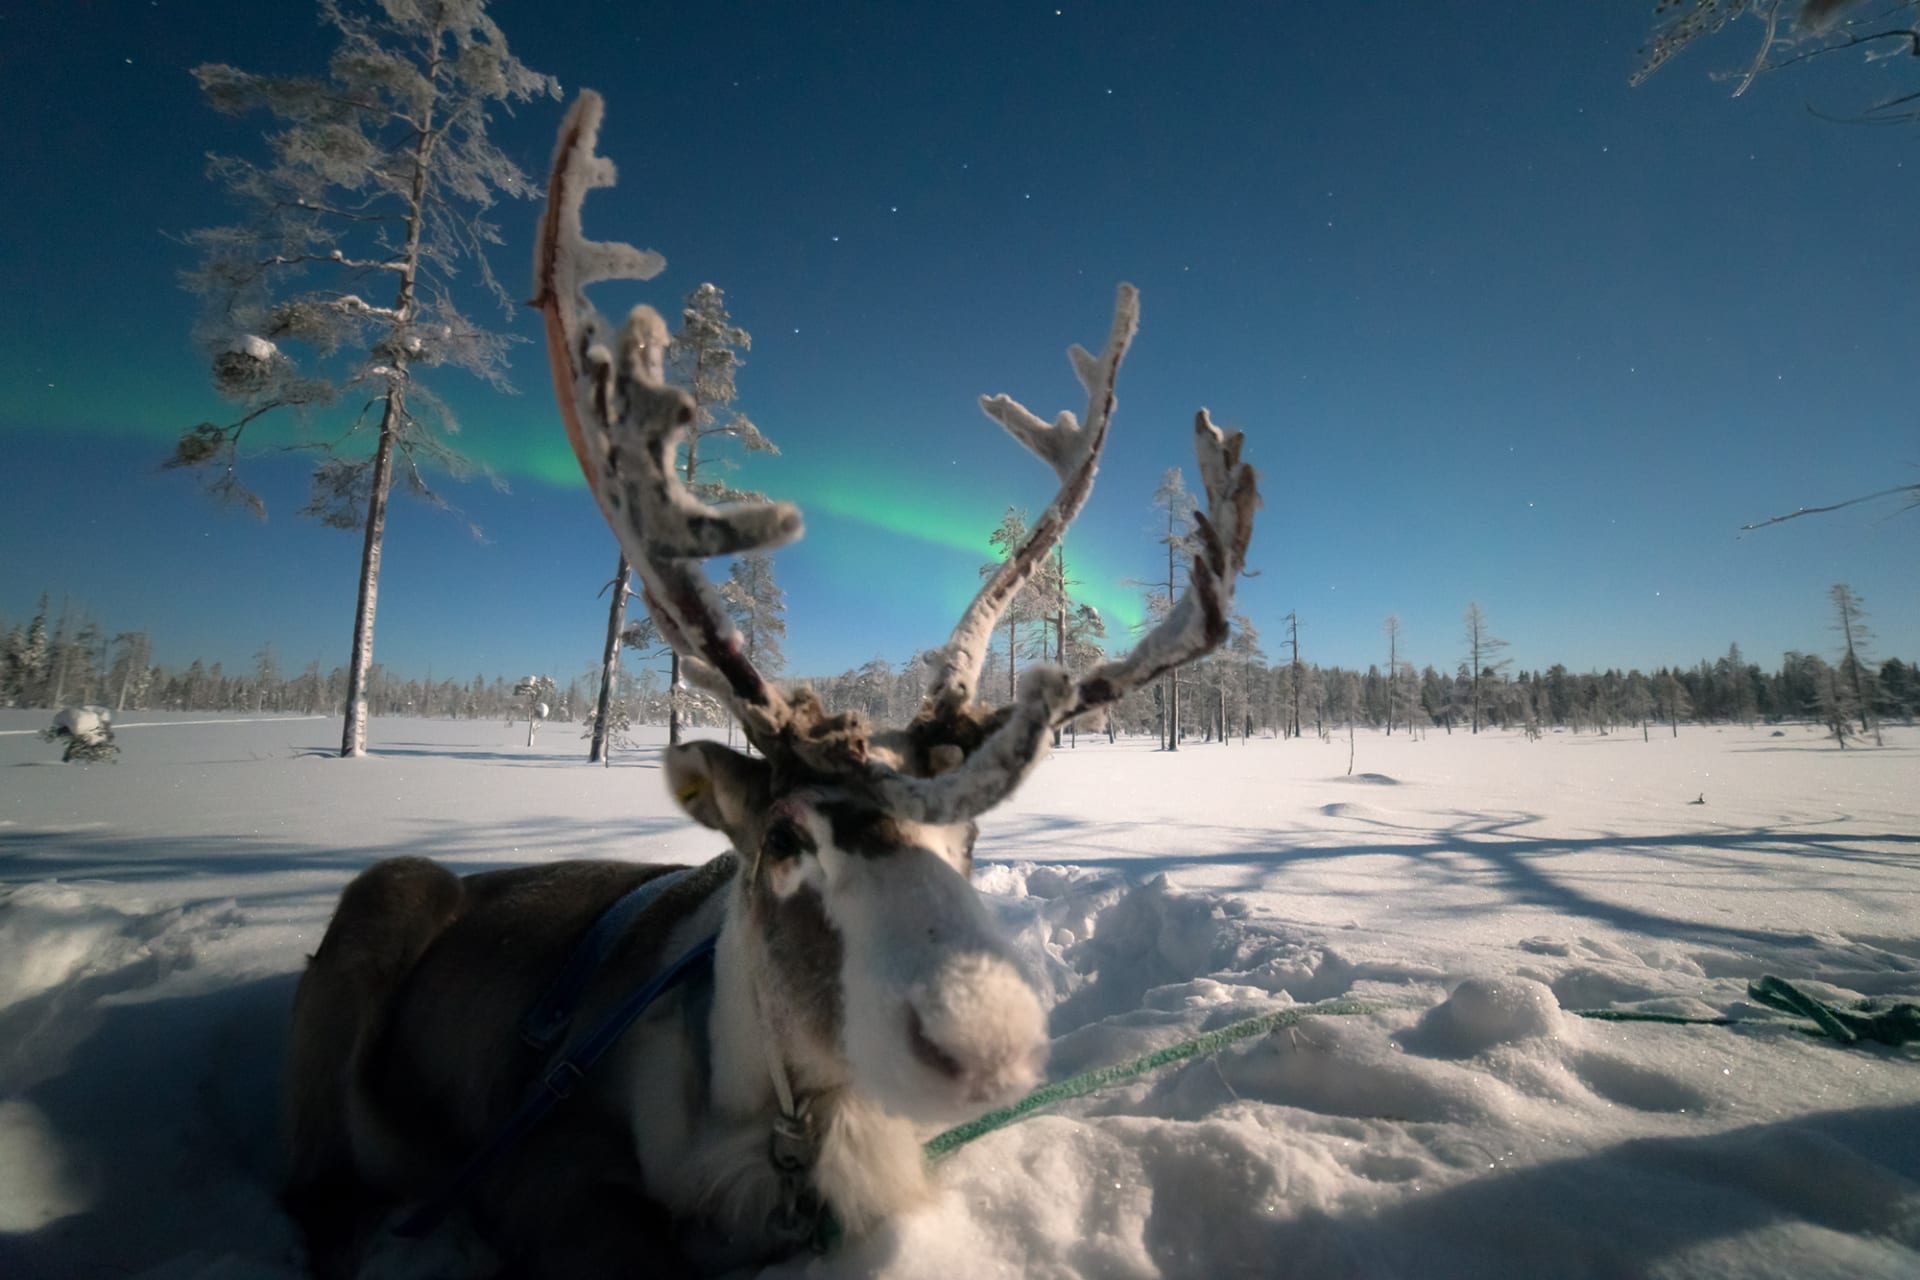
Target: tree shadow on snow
523,758
27,854
1618,1212
1489,853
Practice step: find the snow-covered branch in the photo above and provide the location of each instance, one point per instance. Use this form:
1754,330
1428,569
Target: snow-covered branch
336,257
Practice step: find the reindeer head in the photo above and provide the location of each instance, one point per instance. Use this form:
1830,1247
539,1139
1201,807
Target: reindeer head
877,962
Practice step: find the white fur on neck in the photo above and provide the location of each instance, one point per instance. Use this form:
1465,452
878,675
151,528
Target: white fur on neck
869,1165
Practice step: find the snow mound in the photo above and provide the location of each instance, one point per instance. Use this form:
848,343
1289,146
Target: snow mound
84,722
1483,1012
53,933
138,1095
1120,961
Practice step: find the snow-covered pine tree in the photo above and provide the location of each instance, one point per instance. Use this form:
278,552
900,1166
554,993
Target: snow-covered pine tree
1672,696
1482,646
875,691
758,608
1027,605
266,674
703,359
1391,629
1050,594
87,733
1850,620
378,182
1249,662
537,695
25,663
1296,677
1736,676
1081,650
132,668
1172,498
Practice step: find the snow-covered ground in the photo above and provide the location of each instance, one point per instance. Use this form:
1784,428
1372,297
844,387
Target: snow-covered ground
153,914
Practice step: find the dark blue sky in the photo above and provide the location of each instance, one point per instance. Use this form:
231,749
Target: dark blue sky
1498,327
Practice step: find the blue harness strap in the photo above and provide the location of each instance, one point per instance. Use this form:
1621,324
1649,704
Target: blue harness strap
547,1021
549,1017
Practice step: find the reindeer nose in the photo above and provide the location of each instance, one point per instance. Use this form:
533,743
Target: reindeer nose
979,1026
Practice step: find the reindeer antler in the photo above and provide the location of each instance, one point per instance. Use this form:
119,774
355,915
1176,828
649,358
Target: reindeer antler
1197,623
1073,451
624,424
1049,697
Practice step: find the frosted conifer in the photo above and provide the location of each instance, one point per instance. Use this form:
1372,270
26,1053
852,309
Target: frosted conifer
373,196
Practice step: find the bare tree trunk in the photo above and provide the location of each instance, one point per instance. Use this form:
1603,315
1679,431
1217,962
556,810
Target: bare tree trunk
1393,670
1173,677
601,750
673,698
1844,601
673,658
1293,638
353,739
1060,614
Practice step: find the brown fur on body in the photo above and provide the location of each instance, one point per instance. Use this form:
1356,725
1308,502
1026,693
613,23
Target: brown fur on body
406,1056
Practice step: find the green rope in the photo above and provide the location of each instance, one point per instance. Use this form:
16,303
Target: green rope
1888,1022
1201,1046
1894,1022
1675,1019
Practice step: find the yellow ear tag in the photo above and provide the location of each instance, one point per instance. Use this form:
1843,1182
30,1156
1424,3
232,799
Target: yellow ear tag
691,792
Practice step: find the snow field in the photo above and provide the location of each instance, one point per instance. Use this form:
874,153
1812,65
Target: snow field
153,914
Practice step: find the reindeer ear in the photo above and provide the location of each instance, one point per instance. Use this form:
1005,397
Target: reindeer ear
718,787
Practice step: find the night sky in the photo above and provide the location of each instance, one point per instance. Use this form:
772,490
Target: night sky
1497,326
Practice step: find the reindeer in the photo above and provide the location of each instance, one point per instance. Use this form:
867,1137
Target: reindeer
858,992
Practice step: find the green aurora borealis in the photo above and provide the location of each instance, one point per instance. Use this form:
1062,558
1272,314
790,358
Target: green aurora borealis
846,501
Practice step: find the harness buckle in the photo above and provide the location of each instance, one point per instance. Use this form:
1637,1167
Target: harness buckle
792,1146
563,1079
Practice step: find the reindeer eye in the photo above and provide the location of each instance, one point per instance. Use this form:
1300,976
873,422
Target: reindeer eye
784,841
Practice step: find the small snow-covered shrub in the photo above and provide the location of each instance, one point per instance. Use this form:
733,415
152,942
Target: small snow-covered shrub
87,731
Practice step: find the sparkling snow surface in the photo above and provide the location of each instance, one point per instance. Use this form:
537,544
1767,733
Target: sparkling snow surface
154,912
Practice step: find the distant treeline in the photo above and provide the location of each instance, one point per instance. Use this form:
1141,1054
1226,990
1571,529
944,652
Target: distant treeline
1223,698
74,662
